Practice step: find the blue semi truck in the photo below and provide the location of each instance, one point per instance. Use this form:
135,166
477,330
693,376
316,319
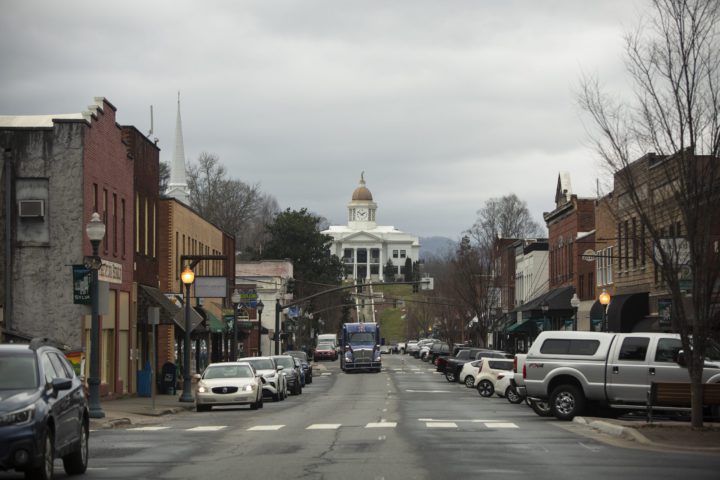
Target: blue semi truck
360,346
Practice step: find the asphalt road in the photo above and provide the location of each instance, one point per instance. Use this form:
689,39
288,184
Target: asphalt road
406,422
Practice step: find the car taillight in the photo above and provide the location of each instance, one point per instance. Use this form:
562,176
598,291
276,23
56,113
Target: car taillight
524,371
515,364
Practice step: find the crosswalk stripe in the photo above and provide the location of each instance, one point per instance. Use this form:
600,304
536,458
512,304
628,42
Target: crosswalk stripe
147,429
381,425
500,425
209,428
260,428
324,426
441,425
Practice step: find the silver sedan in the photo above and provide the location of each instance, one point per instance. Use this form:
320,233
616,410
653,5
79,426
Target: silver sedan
228,383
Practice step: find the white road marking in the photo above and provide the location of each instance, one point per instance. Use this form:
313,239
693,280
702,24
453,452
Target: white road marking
147,429
428,391
441,425
324,426
457,421
265,428
326,374
500,425
381,425
209,428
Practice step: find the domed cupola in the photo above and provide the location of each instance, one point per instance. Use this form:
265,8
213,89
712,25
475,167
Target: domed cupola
361,209
361,192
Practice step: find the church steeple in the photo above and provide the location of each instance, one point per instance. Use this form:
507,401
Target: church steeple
178,187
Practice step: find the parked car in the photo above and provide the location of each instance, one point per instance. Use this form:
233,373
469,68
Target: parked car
291,372
490,368
228,383
437,350
540,407
301,370
275,384
420,345
612,370
326,351
504,387
462,358
44,411
411,346
306,365
385,349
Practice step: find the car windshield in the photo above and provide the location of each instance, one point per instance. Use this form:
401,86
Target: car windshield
362,337
18,372
228,371
261,363
286,362
325,346
302,356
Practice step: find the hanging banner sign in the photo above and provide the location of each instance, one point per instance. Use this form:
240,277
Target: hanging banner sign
81,285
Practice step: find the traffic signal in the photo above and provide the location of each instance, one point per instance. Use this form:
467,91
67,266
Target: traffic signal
291,285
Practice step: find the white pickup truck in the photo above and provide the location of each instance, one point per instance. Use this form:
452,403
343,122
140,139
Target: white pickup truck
571,369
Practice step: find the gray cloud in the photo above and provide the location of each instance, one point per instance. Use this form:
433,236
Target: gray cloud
442,104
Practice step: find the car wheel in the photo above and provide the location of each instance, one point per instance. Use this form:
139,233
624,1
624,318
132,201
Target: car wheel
512,395
76,463
254,405
485,388
45,470
450,376
540,408
261,401
470,381
567,402
276,397
308,380
202,408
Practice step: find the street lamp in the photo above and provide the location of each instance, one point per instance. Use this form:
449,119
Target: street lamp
278,307
605,300
575,304
545,307
95,231
259,307
235,299
187,276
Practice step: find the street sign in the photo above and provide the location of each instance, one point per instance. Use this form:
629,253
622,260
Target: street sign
589,255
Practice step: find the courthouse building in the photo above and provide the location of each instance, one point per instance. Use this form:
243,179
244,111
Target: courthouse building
366,247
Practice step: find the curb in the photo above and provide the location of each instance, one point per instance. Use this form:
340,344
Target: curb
615,430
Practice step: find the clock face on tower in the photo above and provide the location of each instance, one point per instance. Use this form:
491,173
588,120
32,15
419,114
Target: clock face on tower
361,214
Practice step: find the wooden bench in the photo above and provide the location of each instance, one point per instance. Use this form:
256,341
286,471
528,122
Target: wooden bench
677,396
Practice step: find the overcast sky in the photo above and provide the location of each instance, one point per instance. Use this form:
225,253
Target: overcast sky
443,104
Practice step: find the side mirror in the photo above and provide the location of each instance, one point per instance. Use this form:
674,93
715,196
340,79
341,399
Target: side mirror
61,384
680,359
279,367
197,376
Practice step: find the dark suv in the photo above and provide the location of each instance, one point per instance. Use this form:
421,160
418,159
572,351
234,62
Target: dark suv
43,411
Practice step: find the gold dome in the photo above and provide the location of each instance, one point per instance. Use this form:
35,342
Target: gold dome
361,192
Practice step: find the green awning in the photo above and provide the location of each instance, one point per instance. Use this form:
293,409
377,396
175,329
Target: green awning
214,324
530,326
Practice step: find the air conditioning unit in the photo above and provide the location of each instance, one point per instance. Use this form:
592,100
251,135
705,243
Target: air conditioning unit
31,208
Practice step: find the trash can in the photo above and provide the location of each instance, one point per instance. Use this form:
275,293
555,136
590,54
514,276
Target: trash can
144,383
168,378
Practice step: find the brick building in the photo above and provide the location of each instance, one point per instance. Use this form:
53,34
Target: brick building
65,167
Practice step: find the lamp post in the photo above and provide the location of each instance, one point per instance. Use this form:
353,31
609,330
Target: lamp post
95,231
545,307
235,299
605,300
277,326
187,276
575,304
259,307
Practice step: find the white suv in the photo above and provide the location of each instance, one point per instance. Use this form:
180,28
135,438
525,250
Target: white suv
488,373
275,384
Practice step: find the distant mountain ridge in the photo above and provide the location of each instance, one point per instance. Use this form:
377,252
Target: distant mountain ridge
435,246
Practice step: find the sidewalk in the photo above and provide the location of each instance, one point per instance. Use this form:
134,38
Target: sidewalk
675,435
133,410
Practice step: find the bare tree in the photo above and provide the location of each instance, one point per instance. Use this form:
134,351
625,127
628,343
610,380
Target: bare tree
505,217
164,177
231,204
673,61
